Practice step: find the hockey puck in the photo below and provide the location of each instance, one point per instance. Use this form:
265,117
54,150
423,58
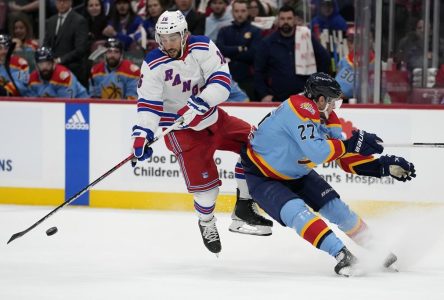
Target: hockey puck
51,231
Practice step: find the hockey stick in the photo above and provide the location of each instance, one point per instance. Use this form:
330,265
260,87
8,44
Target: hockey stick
89,186
8,68
425,145
97,53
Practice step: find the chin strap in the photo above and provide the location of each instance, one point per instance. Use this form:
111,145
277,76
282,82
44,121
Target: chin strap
325,111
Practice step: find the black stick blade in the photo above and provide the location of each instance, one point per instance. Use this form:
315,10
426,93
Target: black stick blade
16,236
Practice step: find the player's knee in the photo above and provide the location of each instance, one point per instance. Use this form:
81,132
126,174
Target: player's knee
291,212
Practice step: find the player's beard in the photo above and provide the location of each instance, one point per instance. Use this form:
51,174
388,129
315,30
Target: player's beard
173,53
112,62
46,74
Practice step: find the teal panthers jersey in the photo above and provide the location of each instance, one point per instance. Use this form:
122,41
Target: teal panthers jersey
345,76
119,83
63,84
292,140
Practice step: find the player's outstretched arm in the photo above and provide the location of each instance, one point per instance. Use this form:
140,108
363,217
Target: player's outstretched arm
387,165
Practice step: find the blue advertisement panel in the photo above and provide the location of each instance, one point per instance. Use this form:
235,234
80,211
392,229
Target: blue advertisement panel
77,151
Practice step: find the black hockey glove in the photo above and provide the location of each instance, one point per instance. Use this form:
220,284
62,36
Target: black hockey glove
364,143
397,167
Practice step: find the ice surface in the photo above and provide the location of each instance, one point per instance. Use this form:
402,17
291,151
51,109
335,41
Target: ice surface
129,254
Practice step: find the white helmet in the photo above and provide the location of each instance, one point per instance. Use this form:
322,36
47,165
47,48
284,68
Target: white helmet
171,22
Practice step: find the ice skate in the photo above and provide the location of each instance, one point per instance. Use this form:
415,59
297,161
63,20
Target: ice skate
247,220
210,236
346,262
390,263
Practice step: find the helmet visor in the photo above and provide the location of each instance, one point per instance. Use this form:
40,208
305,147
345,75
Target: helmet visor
170,38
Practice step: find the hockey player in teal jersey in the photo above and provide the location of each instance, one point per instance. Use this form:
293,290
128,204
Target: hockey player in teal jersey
278,162
14,71
53,80
116,77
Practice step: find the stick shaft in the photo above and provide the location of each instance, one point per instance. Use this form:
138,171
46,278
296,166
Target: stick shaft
89,186
408,145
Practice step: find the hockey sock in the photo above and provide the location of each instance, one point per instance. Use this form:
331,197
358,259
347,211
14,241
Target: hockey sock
205,202
337,212
244,193
310,227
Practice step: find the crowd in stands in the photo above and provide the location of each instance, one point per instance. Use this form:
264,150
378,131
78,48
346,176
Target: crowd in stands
94,48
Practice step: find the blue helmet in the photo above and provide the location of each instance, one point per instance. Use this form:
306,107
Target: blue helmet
43,54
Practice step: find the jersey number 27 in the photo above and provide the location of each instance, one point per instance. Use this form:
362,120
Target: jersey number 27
306,130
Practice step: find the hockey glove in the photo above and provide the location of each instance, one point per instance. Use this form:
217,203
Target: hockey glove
142,137
194,112
397,167
364,143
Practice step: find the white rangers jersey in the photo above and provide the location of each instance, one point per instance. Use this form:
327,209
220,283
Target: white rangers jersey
166,84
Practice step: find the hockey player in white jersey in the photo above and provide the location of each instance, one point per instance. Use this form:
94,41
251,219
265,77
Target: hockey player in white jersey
188,76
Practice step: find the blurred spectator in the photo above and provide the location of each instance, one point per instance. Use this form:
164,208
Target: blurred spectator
22,34
346,71
238,42
255,9
114,78
347,9
154,9
220,17
67,36
298,5
14,73
195,20
53,80
141,9
411,48
123,22
28,7
327,17
94,12
275,62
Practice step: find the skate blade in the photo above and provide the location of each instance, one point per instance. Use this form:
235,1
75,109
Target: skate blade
393,268
244,228
353,271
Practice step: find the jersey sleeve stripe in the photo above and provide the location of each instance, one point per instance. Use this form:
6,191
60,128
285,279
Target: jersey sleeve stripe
350,160
68,84
334,126
155,107
337,149
154,102
263,166
221,78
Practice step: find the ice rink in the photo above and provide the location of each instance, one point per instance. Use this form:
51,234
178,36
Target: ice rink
129,254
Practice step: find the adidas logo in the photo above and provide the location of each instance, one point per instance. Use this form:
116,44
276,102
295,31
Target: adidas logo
77,122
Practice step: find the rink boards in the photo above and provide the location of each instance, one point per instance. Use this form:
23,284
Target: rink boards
51,150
